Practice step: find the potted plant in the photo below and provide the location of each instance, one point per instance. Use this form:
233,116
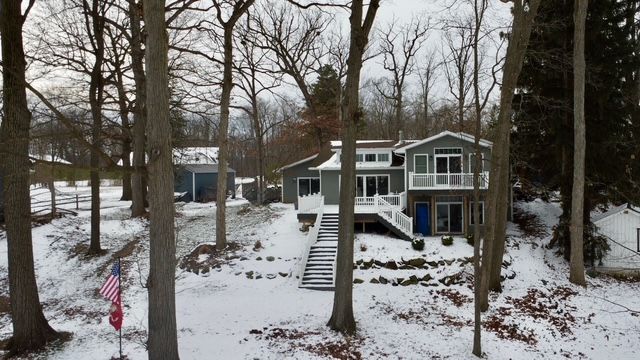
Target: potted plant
447,240
417,244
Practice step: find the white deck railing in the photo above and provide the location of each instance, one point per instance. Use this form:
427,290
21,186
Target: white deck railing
446,181
312,238
395,216
310,203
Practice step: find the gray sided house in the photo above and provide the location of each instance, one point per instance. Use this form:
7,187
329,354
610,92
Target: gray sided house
300,178
199,181
412,187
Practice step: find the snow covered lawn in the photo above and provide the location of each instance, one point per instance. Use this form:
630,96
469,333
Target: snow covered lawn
248,305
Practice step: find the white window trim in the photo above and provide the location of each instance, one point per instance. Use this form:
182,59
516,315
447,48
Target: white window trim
414,162
469,162
481,211
375,152
307,178
364,175
436,156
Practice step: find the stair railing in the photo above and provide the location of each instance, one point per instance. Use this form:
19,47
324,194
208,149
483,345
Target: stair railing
312,238
395,216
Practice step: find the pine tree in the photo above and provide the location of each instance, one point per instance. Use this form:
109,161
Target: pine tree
543,139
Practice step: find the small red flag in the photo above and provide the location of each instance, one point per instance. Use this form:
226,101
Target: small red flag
111,291
115,314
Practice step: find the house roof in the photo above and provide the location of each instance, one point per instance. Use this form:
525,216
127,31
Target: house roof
460,135
314,160
613,211
195,155
371,144
204,168
334,164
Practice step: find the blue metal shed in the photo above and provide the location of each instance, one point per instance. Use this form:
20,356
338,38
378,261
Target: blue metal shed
200,181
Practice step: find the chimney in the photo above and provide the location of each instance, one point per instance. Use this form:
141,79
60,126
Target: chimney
400,137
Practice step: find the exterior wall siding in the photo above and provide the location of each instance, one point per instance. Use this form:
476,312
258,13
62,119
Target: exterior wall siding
330,182
446,141
205,184
290,180
622,228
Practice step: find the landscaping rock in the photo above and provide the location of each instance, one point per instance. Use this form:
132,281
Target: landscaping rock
412,280
270,258
205,269
258,258
359,262
375,281
358,281
427,278
433,263
383,280
271,276
259,276
283,274
449,262
244,258
406,267
249,274
391,265
379,263
417,262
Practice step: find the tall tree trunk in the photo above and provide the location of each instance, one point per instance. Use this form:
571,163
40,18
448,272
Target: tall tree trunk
126,135
138,181
96,100
30,328
342,318
477,329
496,209
223,140
163,339
576,274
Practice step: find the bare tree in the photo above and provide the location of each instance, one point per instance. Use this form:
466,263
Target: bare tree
399,48
342,319
524,13
427,75
237,9
294,38
576,274
256,78
31,330
458,38
163,338
138,179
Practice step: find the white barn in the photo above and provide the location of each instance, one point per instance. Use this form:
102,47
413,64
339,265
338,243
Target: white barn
621,225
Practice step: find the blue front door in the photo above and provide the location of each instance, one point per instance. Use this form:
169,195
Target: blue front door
423,220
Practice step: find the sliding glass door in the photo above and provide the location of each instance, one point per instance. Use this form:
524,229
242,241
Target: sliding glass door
449,215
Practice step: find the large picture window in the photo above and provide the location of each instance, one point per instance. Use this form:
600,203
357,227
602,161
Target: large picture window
369,185
307,186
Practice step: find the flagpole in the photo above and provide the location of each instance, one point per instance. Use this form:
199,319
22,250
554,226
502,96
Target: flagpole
120,298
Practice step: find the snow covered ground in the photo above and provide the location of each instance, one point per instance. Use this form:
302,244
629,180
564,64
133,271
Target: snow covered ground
247,304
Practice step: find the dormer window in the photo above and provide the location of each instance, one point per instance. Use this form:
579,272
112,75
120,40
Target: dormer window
373,157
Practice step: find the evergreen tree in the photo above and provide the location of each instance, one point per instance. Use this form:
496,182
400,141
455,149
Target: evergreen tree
323,125
543,135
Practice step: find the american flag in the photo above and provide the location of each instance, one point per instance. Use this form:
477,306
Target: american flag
111,288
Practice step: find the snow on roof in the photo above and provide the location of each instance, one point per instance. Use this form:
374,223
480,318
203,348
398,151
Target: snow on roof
367,143
297,162
459,135
334,164
613,211
195,155
49,158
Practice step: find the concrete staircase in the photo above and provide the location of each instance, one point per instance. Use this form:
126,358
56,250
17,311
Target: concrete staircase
319,270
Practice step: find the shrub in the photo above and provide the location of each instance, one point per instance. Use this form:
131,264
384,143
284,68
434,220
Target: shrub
470,239
363,247
417,244
447,240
